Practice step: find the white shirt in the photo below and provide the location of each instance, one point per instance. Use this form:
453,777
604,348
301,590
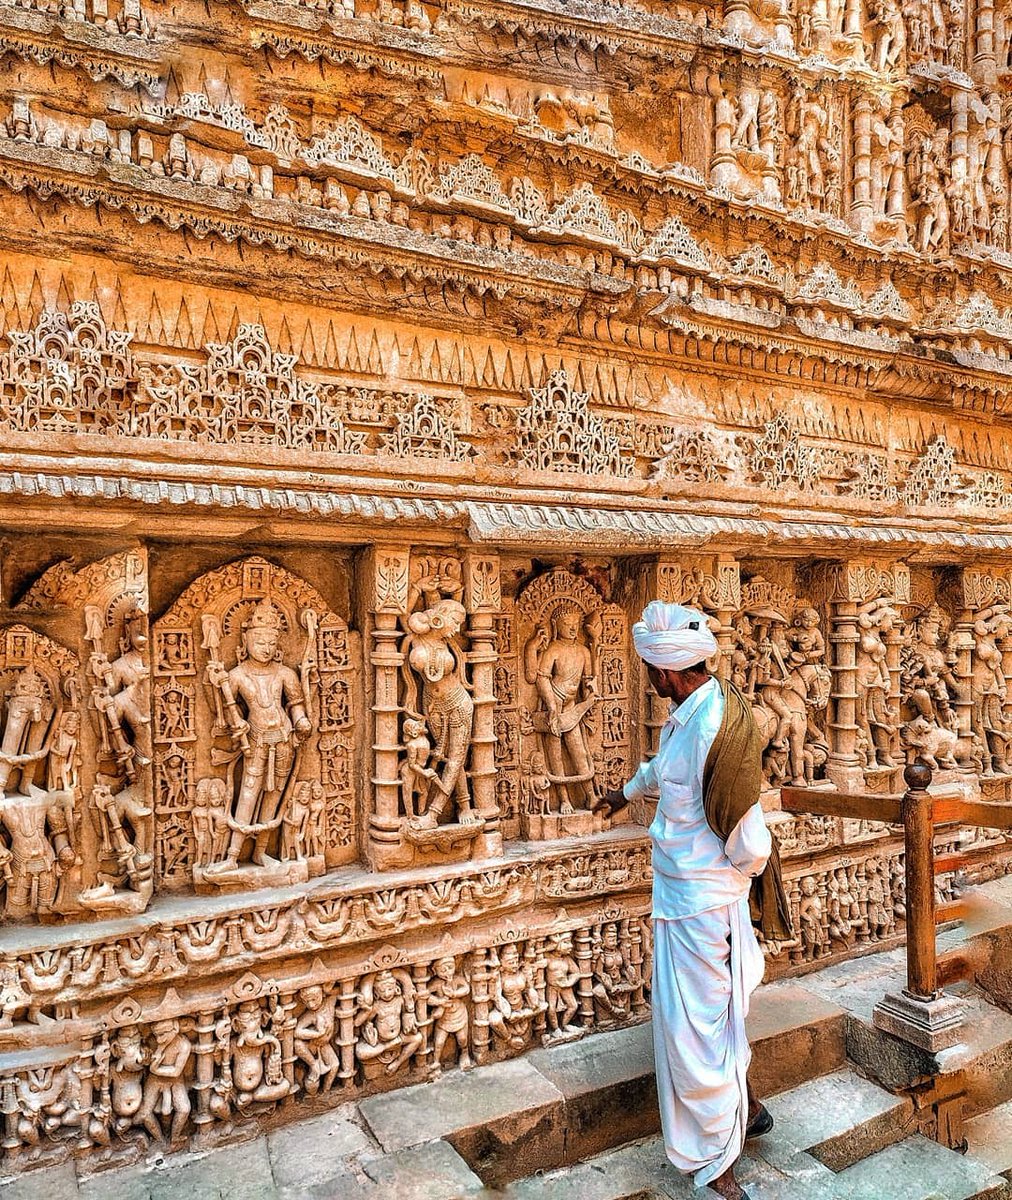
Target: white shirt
693,870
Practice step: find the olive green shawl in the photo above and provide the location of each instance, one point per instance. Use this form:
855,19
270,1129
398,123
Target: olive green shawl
732,780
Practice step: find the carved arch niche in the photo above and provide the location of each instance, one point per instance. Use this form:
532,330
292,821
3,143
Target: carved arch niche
103,740
294,755
40,793
567,736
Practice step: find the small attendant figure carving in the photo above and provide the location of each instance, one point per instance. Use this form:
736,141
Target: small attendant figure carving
121,692
390,1033
877,718
314,1034
449,992
165,1091
416,774
515,999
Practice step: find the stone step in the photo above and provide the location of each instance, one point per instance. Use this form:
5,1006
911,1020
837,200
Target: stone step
914,1169
569,1102
919,1169
989,1137
838,1118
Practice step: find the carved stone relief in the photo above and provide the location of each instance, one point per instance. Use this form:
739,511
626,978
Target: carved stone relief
254,716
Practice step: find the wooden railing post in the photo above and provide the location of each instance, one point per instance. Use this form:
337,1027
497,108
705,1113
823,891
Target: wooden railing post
919,845
920,1014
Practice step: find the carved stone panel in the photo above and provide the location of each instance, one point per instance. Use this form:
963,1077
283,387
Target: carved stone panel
254,717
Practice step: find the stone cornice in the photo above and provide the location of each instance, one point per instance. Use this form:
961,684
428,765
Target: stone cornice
640,526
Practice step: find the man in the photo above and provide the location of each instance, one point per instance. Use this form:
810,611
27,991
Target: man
711,849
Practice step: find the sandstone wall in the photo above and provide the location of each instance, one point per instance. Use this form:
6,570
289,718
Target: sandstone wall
365,367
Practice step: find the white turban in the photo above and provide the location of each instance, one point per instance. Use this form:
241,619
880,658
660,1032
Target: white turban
672,637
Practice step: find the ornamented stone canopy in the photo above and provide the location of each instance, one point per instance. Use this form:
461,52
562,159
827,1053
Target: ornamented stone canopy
364,370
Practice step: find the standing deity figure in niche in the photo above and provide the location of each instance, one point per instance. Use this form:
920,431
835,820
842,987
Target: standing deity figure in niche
564,670
431,650
266,739
889,36
784,674
562,975
416,774
877,719
121,691
39,822
929,688
990,716
927,169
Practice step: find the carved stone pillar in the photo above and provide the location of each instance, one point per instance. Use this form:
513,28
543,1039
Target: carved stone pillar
861,207
853,584
389,572
728,598
959,141
483,599
984,56
844,765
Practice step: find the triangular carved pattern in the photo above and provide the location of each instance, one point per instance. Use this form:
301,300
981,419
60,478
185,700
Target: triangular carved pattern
934,480
425,433
245,394
70,374
777,458
558,432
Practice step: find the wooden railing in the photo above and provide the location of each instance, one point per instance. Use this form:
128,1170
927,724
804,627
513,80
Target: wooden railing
923,1014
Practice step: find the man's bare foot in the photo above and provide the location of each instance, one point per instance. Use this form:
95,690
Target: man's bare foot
727,1186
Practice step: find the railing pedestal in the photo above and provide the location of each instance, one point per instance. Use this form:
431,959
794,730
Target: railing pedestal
921,1014
932,1024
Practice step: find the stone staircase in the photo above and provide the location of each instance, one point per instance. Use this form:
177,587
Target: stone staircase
859,1115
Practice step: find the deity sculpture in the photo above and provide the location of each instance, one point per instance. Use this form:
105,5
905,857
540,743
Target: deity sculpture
431,650
888,33
783,673
515,999
564,671
813,944
449,992
888,167
126,1077
386,1021
927,171
266,740
929,688
166,1094
614,979
314,1037
562,974
40,823
877,717
124,820
990,718
256,1058
121,690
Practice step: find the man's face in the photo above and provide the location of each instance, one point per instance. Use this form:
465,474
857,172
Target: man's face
568,625
674,685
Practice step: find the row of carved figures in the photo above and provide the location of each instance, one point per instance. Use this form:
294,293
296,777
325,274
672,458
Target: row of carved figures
165,1079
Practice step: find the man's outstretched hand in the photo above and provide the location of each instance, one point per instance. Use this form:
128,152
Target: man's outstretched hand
610,802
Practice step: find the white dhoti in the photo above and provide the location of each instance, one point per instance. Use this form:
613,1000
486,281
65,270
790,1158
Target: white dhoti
705,969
